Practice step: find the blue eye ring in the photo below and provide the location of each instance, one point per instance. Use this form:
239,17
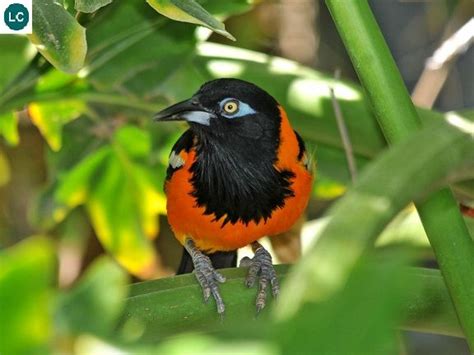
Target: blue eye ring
233,108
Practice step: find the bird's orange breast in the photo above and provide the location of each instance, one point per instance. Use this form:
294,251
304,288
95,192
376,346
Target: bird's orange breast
189,221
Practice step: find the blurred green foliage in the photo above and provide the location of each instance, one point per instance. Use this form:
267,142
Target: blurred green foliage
90,77
26,279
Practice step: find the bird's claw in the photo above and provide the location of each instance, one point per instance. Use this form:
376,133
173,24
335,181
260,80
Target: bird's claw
209,278
261,266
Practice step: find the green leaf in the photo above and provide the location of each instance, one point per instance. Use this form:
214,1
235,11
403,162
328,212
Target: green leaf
124,208
378,194
381,308
189,11
184,344
55,80
9,128
94,304
74,187
159,308
79,141
159,47
122,196
89,6
26,279
50,117
16,53
223,9
431,310
58,36
172,305
135,141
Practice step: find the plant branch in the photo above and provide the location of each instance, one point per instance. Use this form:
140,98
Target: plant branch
341,125
93,97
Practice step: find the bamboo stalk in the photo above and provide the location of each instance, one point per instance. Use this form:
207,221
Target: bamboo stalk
398,118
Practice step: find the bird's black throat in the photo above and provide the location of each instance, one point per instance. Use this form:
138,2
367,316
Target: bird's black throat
234,178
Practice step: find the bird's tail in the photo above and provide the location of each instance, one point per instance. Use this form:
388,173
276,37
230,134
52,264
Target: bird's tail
220,260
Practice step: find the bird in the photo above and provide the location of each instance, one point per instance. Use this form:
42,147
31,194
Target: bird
238,173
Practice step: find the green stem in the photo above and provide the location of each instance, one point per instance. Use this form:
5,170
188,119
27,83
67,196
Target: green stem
398,118
93,97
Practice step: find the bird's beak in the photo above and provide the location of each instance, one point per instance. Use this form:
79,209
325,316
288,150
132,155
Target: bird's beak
189,110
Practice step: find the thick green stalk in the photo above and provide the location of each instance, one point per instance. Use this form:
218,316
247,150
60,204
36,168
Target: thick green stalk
398,118
153,303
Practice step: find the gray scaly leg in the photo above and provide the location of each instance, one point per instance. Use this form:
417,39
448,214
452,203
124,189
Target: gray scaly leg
261,265
206,275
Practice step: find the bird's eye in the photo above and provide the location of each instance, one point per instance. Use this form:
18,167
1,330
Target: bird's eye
231,106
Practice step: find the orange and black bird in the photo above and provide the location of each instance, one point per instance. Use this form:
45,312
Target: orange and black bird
239,173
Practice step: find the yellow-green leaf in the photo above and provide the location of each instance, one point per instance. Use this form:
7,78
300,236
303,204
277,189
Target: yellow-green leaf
58,36
89,6
189,11
74,187
50,117
26,277
9,128
123,198
114,208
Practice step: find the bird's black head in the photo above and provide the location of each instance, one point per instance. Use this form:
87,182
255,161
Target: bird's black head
237,129
228,107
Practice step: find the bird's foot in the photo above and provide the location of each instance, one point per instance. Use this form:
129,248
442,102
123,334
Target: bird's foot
261,265
206,275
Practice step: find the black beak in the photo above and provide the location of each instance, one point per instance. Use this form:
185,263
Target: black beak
189,110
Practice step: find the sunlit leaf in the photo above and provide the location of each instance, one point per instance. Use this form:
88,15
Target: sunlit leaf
406,228
328,189
184,344
95,302
227,8
122,196
113,209
50,117
89,6
74,188
189,11
9,128
58,36
26,278
55,80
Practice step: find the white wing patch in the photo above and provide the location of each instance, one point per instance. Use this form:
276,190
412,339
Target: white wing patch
175,161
